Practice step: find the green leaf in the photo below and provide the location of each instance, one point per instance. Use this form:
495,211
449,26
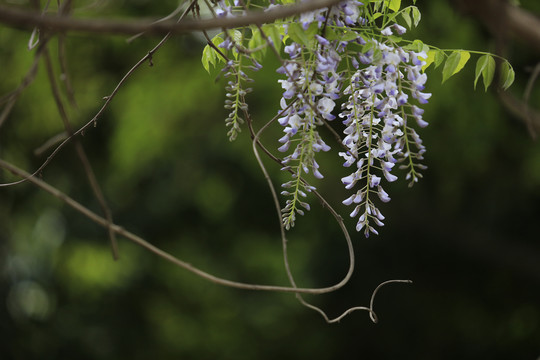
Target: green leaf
312,30
237,36
377,55
455,62
349,35
488,73
465,56
395,39
255,42
331,34
272,32
256,39
417,46
451,65
297,33
416,15
407,17
439,58
485,66
434,56
208,57
395,5
480,65
430,59
507,75
217,39
378,6
368,46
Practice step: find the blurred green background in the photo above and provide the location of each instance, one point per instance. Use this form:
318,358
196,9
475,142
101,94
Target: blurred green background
467,234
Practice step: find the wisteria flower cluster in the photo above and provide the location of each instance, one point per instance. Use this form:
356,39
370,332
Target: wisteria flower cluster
378,134
310,88
351,56
375,112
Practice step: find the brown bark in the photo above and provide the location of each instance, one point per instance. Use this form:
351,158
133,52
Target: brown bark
28,19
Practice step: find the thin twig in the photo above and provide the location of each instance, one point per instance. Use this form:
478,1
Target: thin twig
526,97
64,75
205,34
168,17
11,98
50,143
81,153
372,315
26,19
64,10
524,113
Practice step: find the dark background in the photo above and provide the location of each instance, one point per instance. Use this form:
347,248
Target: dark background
467,234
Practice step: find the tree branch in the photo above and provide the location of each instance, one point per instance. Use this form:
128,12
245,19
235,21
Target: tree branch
27,19
503,19
522,111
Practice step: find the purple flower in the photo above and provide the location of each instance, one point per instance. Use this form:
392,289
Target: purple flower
325,106
399,29
348,181
383,195
356,211
389,177
421,97
374,181
284,147
322,40
387,31
349,200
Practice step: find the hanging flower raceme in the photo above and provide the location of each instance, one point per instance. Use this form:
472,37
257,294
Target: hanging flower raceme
377,133
308,106
235,70
312,85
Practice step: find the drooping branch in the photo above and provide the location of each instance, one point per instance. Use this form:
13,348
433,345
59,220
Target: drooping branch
145,244
28,20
